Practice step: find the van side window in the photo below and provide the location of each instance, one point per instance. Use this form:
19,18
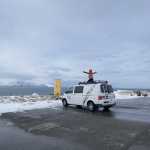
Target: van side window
78,89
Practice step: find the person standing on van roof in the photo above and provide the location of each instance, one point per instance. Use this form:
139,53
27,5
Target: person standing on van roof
90,75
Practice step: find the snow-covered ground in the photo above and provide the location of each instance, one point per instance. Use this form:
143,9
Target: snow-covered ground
123,94
119,96
22,103
34,101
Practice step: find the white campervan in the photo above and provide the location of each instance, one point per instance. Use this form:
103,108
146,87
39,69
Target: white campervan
90,95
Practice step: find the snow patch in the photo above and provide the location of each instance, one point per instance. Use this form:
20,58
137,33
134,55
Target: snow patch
19,104
119,95
125,96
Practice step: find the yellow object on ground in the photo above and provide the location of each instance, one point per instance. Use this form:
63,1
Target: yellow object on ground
57,88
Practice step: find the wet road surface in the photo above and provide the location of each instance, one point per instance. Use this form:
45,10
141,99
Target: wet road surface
124,127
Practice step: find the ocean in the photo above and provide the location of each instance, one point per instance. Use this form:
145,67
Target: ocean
25,90
41,90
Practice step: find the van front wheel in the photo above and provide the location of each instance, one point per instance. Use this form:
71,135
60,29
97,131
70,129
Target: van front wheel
91,106
64,101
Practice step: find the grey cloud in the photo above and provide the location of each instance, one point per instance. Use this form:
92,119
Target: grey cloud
41,40
7,75
62,69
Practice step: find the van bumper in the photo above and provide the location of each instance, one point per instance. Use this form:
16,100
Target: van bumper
106,105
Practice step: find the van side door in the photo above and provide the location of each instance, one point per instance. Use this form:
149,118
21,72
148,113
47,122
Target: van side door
69,95
77,98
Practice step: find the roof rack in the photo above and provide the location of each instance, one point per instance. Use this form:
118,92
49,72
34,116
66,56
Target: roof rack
94,82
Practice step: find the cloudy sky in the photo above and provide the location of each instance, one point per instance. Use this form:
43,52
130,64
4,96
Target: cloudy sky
43,40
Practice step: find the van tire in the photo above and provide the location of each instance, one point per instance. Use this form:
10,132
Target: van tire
91,106
64,102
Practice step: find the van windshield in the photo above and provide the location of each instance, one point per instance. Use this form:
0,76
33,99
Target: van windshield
105,88
70,90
